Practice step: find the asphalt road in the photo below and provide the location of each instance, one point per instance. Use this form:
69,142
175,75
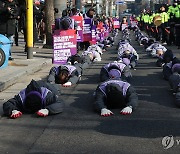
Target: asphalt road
80,130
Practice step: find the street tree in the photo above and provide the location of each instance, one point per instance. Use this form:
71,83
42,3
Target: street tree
49,21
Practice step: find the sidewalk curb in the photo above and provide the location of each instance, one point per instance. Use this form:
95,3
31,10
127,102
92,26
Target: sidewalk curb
18,71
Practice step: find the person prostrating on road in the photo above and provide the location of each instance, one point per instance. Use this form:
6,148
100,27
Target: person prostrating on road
113,94
38,97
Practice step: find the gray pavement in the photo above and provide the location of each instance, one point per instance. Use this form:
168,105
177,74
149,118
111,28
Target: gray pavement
21,66
80,130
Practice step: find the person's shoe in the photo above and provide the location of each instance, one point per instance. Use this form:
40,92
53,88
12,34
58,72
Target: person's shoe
11,59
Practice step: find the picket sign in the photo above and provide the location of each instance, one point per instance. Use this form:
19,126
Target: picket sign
64,45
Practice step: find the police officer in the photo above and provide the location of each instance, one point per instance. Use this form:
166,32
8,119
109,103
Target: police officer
171,12
177,24
146,21
164,19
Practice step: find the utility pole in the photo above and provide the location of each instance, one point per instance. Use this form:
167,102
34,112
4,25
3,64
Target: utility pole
29,28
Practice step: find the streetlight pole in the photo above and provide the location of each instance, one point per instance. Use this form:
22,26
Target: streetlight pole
29,27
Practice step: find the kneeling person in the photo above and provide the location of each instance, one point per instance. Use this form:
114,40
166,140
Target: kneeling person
38,97
115,94
67,75
115,70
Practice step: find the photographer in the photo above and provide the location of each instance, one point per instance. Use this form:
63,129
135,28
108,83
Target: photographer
8,16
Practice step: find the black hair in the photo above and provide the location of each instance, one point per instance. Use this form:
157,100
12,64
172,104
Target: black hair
168,56
63,76
74,11
32,103
115,98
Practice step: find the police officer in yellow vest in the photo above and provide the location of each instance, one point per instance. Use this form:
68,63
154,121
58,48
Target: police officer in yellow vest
171,12
142,20
150,30
177,25
164,19
146,21
156,28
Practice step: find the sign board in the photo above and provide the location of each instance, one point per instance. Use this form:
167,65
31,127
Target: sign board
93,29
87,36
65,45
79,21
116,23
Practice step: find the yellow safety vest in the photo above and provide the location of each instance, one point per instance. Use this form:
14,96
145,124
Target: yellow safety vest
164,17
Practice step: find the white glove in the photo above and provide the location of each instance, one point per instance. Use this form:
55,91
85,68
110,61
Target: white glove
16,114
105,112
97,59
43,112
126,110
67,84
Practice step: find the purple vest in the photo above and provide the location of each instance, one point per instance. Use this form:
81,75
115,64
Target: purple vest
44,92
176,67
69,68
120,66
121,84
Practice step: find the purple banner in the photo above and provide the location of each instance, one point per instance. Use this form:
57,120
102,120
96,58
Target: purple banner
65,45
79,21
79,35
87,36
93,29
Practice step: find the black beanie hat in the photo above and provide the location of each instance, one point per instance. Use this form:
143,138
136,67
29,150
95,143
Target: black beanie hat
33,102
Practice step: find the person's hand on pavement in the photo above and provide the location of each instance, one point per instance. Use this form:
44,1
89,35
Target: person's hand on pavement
127,110
43,112
16,114
105,112
67,84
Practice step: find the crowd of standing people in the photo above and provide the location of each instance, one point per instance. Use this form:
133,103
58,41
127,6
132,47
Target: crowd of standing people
13,20
162,24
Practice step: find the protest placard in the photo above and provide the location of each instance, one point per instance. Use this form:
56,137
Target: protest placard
65,45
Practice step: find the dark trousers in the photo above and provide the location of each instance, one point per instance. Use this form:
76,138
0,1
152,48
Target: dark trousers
177,34
171,35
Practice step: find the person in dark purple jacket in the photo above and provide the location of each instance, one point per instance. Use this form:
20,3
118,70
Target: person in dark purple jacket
38,97
170,68
115,69
67,75
115,94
